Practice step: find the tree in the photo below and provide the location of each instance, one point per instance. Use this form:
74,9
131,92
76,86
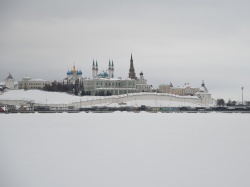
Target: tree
76,92
233,103
229,103
82,93
220,102
247,103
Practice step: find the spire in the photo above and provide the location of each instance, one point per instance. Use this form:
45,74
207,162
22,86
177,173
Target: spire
112,63
109,63
93,63
132,74
96,64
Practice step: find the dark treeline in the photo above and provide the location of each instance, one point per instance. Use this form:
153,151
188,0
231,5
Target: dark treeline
76,89
221,102
102,93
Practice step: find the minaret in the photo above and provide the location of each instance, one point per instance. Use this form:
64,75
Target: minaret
93,69
131,69
96,69
112,69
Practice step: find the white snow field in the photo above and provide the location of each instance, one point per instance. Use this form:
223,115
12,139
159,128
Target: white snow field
124,150
44,97
40,96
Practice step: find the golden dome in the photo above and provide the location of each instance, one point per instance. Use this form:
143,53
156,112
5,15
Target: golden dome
74,69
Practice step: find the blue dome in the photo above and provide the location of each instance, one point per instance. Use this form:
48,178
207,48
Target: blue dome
79,72
103,74
71,72
68,73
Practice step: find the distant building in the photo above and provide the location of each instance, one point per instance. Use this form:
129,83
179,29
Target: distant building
185,90
10,83
29,83
141,84
204,95
105,83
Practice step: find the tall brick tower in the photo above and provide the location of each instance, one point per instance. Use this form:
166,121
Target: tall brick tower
132,74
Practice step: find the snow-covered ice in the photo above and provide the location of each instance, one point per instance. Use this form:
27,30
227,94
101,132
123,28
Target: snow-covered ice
124,149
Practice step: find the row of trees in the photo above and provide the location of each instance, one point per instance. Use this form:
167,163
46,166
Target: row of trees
102,93
221,102
58,87
77,89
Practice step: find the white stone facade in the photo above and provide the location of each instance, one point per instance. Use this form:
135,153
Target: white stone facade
182,91
141,84
115,86
29,83
10,83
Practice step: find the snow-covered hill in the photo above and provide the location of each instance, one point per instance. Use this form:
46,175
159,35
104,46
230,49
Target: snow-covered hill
39,96
44,97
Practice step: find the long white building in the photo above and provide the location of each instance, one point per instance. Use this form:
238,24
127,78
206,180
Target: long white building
29,83
105,83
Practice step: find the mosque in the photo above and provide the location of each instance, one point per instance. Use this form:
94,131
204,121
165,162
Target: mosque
106,82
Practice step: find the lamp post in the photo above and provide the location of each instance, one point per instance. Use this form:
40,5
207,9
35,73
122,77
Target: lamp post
242,95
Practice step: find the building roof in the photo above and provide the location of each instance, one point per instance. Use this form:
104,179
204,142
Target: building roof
9,76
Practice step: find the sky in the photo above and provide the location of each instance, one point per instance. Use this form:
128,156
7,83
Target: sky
173,41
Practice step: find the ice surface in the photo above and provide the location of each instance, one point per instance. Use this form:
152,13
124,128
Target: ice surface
124,149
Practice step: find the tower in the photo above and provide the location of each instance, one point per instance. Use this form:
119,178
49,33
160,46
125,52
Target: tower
10,82
132,74
141,81
93,69
96,69
110,70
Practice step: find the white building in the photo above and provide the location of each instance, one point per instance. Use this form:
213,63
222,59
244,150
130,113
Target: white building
204,95
187,89
105,83
10,83
29,83
141,84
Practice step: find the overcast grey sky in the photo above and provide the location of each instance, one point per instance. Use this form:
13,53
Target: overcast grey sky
174,41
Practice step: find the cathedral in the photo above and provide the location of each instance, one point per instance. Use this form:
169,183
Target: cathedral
73,76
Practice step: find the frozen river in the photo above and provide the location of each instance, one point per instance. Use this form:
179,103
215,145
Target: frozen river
124,150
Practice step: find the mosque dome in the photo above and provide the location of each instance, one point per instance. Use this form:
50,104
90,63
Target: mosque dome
68,73
71,72
103,74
